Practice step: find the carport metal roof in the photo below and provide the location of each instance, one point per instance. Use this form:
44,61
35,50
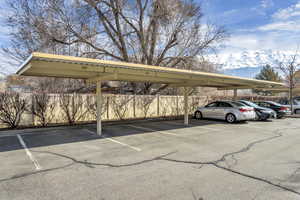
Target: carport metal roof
41,64
95,70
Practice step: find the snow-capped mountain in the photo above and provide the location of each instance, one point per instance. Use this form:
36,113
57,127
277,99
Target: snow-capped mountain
249,63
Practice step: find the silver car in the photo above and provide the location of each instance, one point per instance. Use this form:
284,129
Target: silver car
230,111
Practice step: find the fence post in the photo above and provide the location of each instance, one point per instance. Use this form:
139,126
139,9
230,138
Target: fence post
158,105
32,108
107,107
177,104
193,103
134,104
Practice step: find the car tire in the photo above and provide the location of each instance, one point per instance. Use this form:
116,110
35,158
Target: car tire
198,115
230,118
297,111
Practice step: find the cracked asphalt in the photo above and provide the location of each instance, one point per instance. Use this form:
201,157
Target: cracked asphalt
154,160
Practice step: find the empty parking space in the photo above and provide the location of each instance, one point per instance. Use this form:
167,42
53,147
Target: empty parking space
161,154
13,158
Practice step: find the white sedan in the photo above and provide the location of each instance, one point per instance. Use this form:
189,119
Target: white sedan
230,111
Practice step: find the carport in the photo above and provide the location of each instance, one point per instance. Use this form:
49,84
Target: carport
96,71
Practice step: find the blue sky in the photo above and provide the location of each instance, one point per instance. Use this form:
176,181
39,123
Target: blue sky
256,24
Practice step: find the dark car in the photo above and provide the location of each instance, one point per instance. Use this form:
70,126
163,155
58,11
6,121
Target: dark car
261,112
280,109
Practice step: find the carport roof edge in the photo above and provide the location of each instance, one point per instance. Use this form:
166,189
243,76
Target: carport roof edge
42,64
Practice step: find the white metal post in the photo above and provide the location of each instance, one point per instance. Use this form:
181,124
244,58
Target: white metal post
186,112
99,107
235,94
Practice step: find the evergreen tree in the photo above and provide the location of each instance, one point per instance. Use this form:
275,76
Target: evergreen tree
267,73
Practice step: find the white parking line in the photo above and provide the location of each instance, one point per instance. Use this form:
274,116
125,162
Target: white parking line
121,143
116,141
87,130
252,126
207,128
152,130
34,161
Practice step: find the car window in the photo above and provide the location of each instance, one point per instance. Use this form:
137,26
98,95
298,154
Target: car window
262,104
249,103
266,105
224,105
237,104
212,105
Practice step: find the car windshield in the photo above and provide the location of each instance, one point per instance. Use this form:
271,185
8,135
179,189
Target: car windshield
249,103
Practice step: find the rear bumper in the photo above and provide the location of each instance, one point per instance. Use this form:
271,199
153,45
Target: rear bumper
246,116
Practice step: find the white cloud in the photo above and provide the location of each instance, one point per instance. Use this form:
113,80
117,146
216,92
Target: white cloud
278,41
286,19
281,26
266,3
243,41
287,13
280,34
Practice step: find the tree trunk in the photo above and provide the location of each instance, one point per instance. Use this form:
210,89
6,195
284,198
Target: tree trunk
291,99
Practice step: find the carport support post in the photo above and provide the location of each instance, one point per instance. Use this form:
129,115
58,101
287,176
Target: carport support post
235,94
99,107
186,112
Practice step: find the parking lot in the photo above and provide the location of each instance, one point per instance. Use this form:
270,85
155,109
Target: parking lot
154,160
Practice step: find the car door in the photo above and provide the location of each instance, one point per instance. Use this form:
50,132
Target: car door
209,110
222,109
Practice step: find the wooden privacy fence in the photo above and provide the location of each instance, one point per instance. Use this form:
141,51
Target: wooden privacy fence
82,108
43,110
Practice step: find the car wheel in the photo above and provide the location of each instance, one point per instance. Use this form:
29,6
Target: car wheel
230,118
297,111
198,115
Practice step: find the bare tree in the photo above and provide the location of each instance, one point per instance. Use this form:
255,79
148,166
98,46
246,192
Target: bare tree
289,68
120,105
56,85
145,103
153,32
42,107
12,106
92,105
73,107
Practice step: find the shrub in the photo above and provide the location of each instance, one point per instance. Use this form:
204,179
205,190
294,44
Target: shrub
43,108
12,106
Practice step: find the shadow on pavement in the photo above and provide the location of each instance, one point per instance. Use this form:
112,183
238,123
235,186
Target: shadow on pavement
72,135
